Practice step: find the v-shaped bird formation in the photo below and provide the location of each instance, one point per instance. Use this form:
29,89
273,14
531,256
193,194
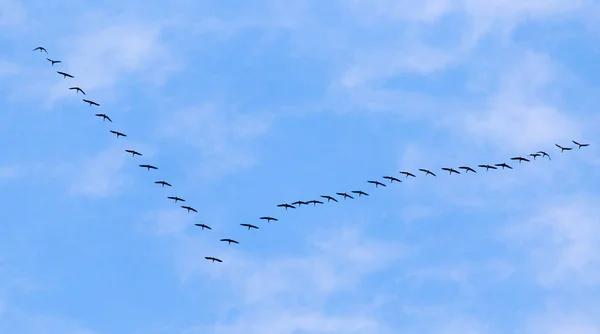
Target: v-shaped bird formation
297,204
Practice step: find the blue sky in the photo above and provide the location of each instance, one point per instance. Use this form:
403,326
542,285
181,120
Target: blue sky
245,105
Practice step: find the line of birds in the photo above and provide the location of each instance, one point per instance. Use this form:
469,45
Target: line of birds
314,202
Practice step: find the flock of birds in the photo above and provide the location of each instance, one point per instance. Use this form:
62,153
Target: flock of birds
297,204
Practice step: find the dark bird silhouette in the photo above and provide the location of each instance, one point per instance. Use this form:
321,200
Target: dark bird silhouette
562,149
163,183
148,166
65,75
77,89
408,174
189,208
91,103
268,219
580,145
377,183
467,169
360,193
133,153
53,61
299,203
286,206
329,198
229,241
487,167
426,171
344,195
175,198
392,179
544,154
249,226
118,133
213,259
519,159
41,48
503,165
203,226
104,117
315,202
450,170
535,155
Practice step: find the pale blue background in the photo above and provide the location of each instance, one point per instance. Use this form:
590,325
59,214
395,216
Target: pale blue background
246,104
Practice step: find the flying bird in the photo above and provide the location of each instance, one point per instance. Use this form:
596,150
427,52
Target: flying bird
329,198
148,166
249,226
426,171
175,198
519,159
392,179
503,165
487,167
408,174
580,145
286,206
189,208
562,149
133,153
65,75
163,183
344,195
91,103
213,259
268,219
451,170
315,202
377,183
535,155
77,90
53,61
203,226
118,133
299,203
467,169
229,241
41,48
360,192
544,154
104,117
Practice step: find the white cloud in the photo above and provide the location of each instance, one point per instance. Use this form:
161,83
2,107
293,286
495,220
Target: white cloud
562,240
11,172
223,138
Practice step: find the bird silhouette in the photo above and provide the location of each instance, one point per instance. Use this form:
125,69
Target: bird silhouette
299,203
344,195
213,259
392,179
104,117
451,170
286,206
268,219
91,102
377,183
53,61
580,145
487,167
544,154
535,155
314,202
175,198
360,193
408,174
519,159
562,149
65,75
148,166
229,241
249,226
202,226
427,171
503,165
163,183
189,208
41,48
118,133
467,169
133,153
77,90
329,198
